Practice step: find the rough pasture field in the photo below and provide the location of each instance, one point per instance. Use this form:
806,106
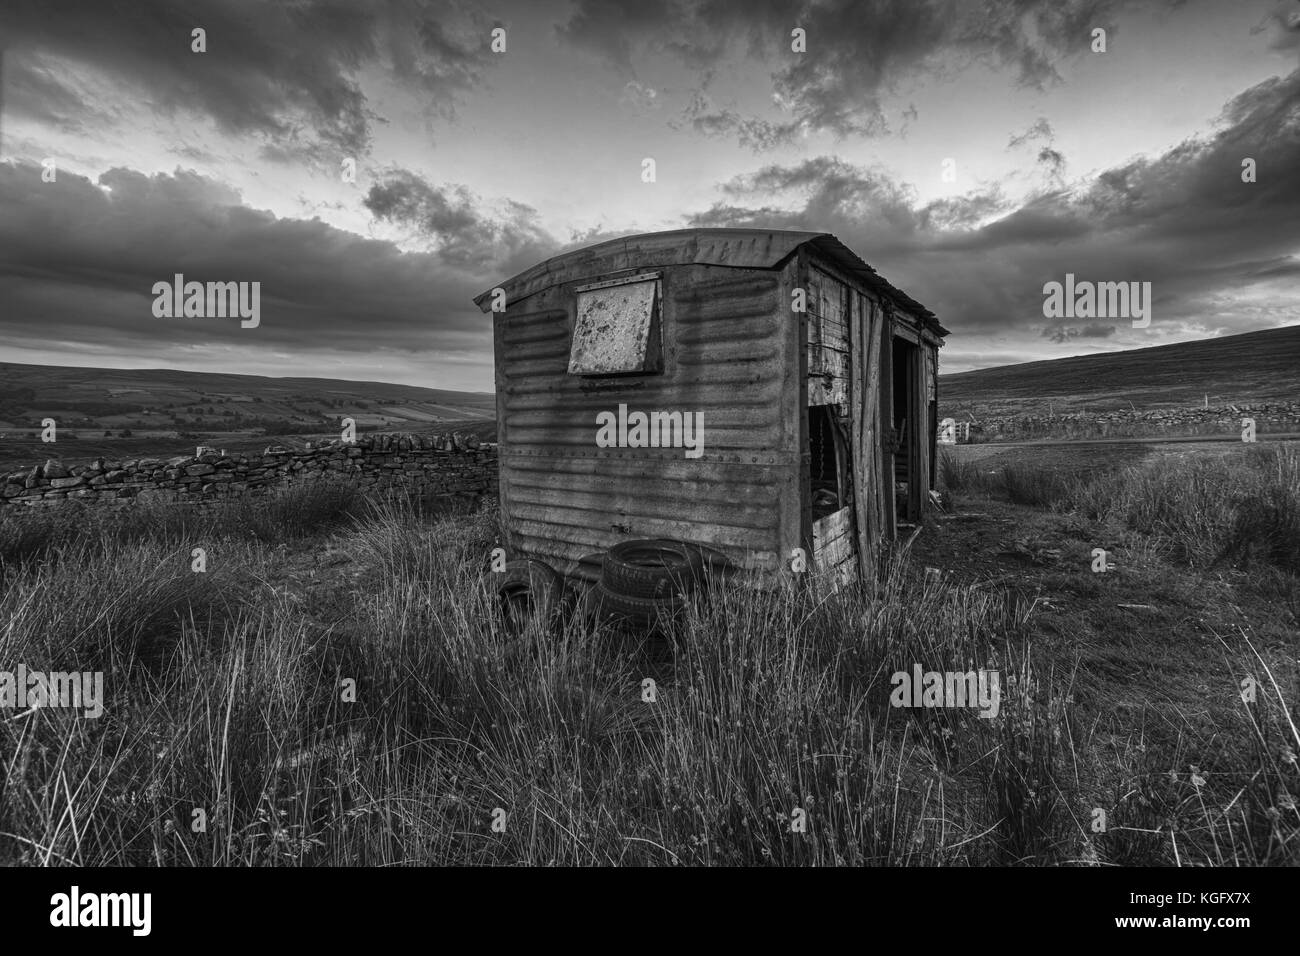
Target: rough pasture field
336,688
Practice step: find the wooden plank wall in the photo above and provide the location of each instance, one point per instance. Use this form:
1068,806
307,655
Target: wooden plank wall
868,454
918,430
930,394
828,339
887,418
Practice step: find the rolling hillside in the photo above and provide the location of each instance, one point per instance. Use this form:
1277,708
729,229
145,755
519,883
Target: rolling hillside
1254,366
119,413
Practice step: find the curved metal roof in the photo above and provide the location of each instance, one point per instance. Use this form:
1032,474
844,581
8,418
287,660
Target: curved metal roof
741,248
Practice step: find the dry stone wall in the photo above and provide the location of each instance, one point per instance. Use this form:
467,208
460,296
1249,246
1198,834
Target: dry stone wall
1216,420
454,466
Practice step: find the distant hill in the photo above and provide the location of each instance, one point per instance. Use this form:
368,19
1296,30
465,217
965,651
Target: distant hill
1253,366
120,413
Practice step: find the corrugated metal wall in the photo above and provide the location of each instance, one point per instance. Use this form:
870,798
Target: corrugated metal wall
728,342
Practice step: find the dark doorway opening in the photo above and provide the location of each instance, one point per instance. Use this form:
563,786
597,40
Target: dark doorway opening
826,489
905,405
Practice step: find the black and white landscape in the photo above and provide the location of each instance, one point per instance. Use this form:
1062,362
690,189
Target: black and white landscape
300,567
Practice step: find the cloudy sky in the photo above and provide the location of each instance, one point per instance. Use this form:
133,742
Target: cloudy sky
472,164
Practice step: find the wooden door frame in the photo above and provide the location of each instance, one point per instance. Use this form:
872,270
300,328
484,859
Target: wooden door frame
916,410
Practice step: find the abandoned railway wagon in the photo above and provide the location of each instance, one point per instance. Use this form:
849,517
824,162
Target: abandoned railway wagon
763,394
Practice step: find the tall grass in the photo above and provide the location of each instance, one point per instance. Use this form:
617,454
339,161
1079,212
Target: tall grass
1016,482
232,737
246,728
957,474
29,535
1240,508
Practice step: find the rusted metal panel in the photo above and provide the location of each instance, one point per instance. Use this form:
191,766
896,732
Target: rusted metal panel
614,326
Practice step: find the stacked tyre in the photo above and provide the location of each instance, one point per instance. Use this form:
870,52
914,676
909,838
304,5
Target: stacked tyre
530,593
647,582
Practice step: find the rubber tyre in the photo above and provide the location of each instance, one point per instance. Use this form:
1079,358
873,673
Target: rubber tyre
621,608
528,590
653,568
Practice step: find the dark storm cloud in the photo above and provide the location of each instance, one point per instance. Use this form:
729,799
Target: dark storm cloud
961,212
754,134
1184,221
78,263
284,72
856,52
32,88
836,189
462,232
611,28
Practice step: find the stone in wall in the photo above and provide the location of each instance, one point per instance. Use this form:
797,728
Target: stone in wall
452,465
1270,416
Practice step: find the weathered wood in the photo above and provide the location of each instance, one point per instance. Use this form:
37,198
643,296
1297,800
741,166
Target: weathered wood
833,543
929,398
886,419
834,554
832,528
868,458
828,340
918,463
863,496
